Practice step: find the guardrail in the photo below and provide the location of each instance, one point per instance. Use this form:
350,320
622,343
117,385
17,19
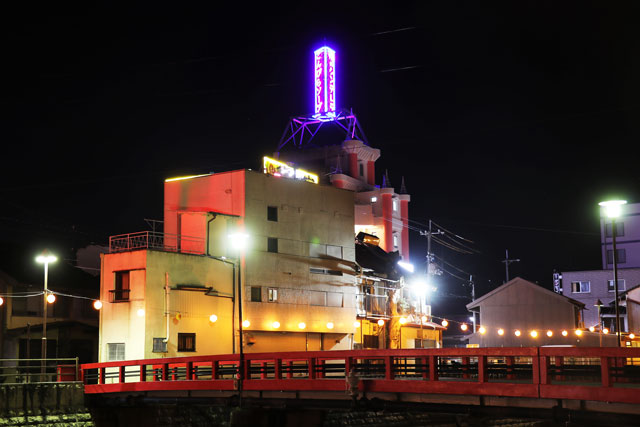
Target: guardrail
603,374
159,241
39,370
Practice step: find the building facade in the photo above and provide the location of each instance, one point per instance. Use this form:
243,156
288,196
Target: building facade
627,238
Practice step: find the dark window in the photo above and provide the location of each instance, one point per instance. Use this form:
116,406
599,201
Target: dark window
186,342
272,244
159,345
619,229
272,213
611,287
256,294
621,255
361,169
316,270
370,341
580,287
121,289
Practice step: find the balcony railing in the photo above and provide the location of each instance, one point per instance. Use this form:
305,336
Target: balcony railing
158,241
372,305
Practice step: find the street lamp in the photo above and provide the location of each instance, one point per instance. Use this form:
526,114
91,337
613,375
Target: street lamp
239,242
599,305
613,209
45,258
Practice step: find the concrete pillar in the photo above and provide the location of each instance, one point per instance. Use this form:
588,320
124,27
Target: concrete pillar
387,217
371,172
353,165
404,214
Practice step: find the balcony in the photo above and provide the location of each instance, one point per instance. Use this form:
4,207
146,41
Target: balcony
372,305
158,241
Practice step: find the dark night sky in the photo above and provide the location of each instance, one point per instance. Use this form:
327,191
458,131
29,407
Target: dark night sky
508,121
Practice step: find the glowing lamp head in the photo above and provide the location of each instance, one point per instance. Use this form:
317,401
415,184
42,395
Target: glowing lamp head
51,298
534,334
239,241
406,266
246,324
302,325
517,333
380,322
632,336
356,324
592,328
482,330
464,327
500,331
549,334
403,320
605,331
445,323
579,332
140,312
97,304
565,333
613,208
275,325
46,258
213,318
1,300
329,325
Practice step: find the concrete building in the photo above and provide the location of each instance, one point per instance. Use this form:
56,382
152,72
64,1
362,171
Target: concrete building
627,238
521,313
297,273
589,286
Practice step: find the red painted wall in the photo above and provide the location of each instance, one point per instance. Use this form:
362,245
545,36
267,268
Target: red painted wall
371,173
220,192
387,211
404,214
353,165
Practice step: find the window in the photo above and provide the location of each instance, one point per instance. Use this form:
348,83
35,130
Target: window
159,345
256,294
334,251
395,205
317,298
120,291
621,254
361,169
315,270
395,241
334,299
580,287
619,229
611,287
272,294
186,342
370,341
272,244
374,199
272,213
115,351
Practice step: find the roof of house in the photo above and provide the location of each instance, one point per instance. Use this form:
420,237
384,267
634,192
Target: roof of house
518,281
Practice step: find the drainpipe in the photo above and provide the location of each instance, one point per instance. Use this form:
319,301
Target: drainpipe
166,304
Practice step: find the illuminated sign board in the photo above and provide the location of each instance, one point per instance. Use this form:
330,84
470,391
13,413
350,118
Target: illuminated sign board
277,168
325,82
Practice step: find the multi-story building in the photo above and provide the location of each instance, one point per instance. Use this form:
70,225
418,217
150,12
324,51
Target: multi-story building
176,293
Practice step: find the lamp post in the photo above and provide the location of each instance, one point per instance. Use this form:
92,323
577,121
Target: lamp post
423,289
613,209
238,242
45,258
599,305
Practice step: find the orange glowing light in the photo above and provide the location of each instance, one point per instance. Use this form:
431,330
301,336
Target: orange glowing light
565,333
51,298
517,333
464,327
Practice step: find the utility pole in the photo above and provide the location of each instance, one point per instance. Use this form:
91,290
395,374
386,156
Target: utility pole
473,298
508,261
431,266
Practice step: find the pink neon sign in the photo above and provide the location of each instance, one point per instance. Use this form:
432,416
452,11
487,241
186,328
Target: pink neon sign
325,81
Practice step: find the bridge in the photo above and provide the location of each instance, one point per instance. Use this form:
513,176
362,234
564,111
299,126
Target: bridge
597,379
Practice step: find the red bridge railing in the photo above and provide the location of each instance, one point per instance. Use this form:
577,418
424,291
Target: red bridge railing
601,374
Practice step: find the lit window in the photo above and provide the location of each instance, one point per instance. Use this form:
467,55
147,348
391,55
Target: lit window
395,241
374,199
580,287
186,342
395,205
611,286
115,351
272,294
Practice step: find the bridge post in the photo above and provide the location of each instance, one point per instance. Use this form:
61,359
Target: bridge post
165,372
348,364
214,369
143,372
101,375
433,368
121,374
465,367
509,362
289,369
263,370
482,369
388,368
605,371
277,367
311,364
545,364
425,368
189,373
559,367
321,364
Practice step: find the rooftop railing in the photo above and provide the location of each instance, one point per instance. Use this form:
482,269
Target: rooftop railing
158,241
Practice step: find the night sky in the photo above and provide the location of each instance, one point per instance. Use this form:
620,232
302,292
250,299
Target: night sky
509,121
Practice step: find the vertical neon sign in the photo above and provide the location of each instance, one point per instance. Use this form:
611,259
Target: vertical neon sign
325,82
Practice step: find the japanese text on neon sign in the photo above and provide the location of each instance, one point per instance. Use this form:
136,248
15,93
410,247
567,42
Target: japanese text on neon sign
325,81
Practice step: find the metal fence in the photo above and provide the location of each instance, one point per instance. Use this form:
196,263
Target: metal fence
156,240
39,370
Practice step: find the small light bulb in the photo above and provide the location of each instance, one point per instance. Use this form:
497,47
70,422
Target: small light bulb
329,325
356,324
445,323
592,328
403,320
275,325
97,304
632,336
51,298
549,334
464,327
380,322
534,334
302,325
517,333
482,330
1,300
246,324
213,318
565,333
578,332
501,331
140,312
605,331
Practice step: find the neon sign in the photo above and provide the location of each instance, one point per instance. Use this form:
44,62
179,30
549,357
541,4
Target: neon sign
276,168
325,82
